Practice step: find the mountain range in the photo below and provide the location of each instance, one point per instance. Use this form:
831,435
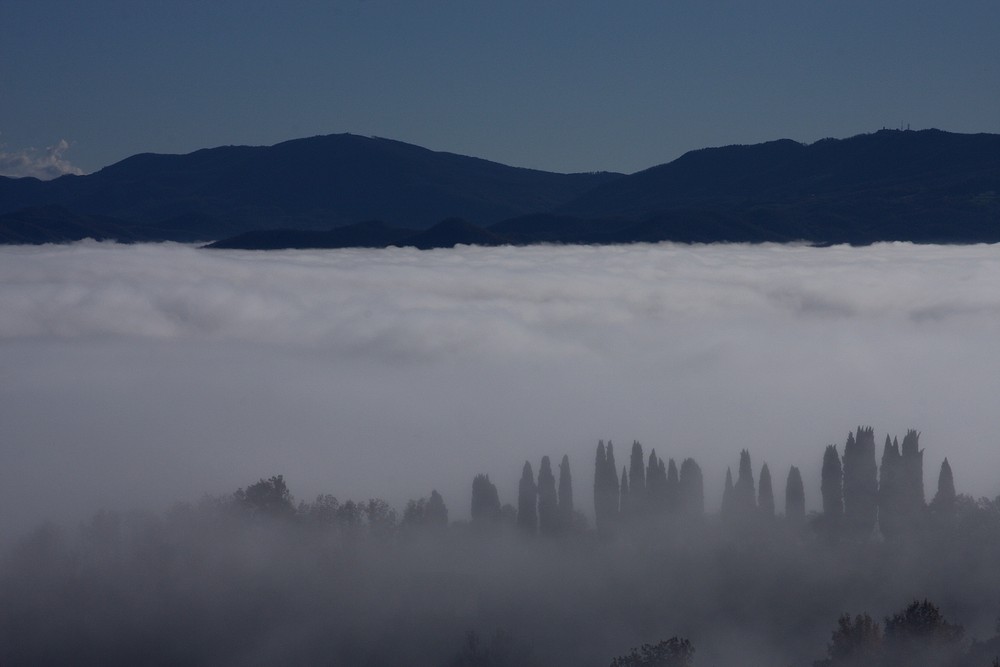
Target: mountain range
346,190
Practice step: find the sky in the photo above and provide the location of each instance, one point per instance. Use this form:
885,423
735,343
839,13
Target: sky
563,86
138,376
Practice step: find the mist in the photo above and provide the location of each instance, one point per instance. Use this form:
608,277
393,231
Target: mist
138,377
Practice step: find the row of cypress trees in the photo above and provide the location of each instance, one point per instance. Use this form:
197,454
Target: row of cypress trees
541,505
860,496
646,488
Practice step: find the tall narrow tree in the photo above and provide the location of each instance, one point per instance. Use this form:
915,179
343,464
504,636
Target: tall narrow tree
655,486
728,496
765,494
600,488
745,495
614,490
795,497
911,479
527,501
888,491
548,501
565,494
691,488
485,500
637,481
673,487
860,483
625,491
832,487
944,499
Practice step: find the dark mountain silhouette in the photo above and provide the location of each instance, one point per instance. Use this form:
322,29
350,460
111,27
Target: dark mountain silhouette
315,183
923,186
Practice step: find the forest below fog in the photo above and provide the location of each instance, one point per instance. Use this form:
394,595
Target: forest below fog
880,576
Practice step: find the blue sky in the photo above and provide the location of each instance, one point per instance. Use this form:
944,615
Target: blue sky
566,86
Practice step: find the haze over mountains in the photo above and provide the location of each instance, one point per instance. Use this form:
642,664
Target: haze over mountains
346,191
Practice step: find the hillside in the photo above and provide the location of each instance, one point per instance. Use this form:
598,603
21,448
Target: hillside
921,186
315,183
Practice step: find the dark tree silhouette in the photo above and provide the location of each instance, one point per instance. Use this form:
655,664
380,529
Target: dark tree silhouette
691,488
605,489
831,487
381,517
267,497
673,487
566,508
765,494
673,652
625,492
637,481
527,501
601,509
889,489
614,509
911,482
728,496
860,474
944,499
795,497
485,499
744,493
548,502
920,636
436,513
855,643
424,512
656,485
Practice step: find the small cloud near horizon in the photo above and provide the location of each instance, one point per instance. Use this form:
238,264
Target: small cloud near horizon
41,163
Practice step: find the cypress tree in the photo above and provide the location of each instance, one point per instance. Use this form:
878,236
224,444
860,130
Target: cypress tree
548,502
691,488
765,494
728,496
832,485
435,513
944,499
625,493
527,501
611,471
744,494
485,500
600,511
795,497
655,486
888,491
565,494
637,480
860,475
672,487
911,479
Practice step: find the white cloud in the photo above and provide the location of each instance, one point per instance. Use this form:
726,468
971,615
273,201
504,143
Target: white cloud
155,372
42,163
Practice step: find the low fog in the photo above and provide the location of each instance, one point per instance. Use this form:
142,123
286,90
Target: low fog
141,386
135,376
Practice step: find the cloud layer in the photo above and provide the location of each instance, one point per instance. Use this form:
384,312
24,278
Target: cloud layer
42,163
137,375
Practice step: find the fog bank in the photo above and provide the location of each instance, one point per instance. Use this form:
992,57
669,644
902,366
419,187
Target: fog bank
133,376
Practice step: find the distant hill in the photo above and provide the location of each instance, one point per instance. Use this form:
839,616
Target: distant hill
315,183
922,186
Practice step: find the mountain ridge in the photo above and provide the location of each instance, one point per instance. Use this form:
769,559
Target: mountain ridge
922,185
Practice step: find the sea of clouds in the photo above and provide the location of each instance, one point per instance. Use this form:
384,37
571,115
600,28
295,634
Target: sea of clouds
136,376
